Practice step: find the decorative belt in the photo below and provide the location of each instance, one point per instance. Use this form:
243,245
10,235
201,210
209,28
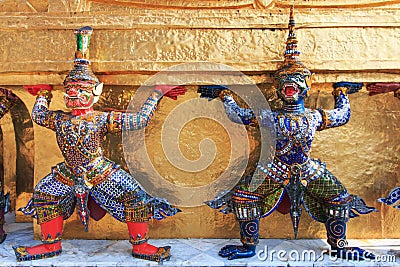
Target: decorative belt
281,172
98,174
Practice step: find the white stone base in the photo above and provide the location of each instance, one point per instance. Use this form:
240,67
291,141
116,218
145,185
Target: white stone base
190,252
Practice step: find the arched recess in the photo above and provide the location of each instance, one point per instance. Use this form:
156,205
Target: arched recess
20,124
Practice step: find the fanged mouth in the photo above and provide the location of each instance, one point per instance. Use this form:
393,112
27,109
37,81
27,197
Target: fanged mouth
67,96
76,101
290,90
71,101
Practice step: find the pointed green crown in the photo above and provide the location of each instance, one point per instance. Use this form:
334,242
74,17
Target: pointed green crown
82,42
82,71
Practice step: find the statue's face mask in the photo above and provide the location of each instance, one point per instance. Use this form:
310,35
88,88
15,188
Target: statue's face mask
81,95
292,83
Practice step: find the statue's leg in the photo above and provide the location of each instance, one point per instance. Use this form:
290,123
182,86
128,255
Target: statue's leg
333,207
137,221
248,236
121,196
50,213
248,208
336,228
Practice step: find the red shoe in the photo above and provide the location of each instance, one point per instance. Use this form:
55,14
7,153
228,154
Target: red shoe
138,232
52,233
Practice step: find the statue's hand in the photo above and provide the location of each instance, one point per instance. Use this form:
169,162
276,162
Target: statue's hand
381,88
210,91
235,252
171,91
351,87
3,92
34,89
8,94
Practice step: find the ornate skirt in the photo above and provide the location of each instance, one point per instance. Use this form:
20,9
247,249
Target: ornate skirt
112,188
323,195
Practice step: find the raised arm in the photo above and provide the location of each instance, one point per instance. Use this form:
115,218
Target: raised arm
125,121
233,111
340,115
7,101
40,112
236,113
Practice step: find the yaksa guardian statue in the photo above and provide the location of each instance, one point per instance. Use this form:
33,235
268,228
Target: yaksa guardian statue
7,101
86,178
293,175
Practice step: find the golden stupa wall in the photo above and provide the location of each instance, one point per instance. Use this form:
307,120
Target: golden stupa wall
133,40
